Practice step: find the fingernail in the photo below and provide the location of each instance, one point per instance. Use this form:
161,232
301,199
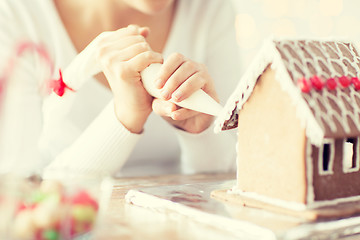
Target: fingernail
177,96
165,95
158,83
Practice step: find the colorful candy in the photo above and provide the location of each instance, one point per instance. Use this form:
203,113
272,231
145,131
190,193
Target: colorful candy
316,82
331,84
49,213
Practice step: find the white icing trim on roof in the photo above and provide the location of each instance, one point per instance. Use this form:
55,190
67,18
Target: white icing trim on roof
269,55
249,78
329,116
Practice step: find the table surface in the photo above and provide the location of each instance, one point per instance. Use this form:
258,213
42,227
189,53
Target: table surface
128,222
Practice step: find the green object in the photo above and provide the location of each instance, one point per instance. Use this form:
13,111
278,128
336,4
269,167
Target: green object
51,234
38,196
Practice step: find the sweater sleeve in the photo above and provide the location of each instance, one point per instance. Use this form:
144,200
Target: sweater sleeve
210,152
100,150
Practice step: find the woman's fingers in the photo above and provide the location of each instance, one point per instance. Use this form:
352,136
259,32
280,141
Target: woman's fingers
191,85
172,63
168,109
183,114
142,60
129,71
180,77
144,31
127,51
121,39
125,54
163,108
120,43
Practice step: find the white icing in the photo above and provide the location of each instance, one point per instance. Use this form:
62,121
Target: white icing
241,229
198,101
269,55
296,206
273,201
243,89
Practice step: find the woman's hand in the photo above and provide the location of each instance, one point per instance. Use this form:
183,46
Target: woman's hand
178,78
123,54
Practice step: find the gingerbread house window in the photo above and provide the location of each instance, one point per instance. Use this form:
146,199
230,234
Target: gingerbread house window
351,155
326,158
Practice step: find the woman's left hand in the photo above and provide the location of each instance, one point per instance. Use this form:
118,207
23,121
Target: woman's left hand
178,78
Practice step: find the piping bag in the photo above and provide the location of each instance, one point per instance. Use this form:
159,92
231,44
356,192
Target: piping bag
84,66
199,101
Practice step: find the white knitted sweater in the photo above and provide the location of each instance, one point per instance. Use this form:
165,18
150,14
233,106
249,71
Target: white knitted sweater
89,138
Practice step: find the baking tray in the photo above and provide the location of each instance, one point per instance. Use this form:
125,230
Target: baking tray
194,201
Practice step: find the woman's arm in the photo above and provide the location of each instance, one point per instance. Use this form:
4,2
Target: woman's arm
108,141
101,149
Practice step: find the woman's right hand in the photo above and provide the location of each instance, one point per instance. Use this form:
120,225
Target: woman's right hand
122,55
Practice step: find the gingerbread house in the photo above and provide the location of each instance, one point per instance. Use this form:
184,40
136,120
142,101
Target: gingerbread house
297,110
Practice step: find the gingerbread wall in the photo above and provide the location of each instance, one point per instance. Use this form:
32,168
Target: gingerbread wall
271,144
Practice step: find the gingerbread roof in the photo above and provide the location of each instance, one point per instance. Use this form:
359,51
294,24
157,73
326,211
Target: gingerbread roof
321,77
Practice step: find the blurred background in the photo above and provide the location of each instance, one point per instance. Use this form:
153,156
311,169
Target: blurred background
259,19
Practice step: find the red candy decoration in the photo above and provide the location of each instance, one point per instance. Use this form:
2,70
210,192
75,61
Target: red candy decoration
59,86
331,83
356,82
344,81
317,82
2,83
84,198
304,85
